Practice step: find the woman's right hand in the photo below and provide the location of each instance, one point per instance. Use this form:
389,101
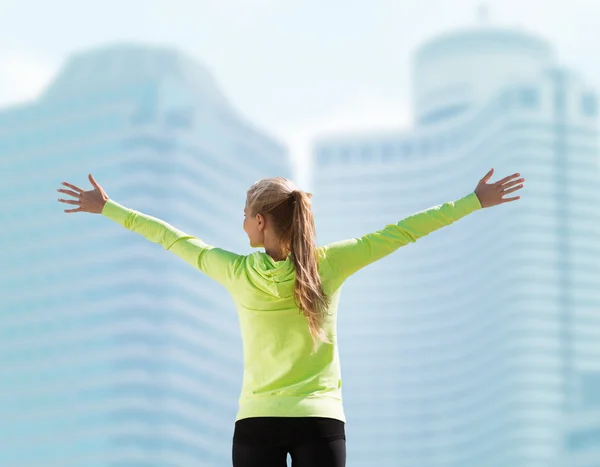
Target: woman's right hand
92,201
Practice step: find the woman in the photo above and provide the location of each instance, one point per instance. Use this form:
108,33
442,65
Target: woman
287,299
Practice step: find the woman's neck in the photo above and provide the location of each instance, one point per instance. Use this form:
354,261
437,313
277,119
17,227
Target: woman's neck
276,255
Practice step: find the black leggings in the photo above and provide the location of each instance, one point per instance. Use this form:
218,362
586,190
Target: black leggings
310,441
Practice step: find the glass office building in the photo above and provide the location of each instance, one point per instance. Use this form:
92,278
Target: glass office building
114,351
466,348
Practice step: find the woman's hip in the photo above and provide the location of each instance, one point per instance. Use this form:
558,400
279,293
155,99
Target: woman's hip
287,431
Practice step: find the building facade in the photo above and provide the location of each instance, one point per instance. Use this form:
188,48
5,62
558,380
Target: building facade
114,351
465,348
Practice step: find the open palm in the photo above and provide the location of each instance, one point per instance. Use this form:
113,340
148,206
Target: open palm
492,194
88,201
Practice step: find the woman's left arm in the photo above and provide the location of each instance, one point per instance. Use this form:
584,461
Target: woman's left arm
215,262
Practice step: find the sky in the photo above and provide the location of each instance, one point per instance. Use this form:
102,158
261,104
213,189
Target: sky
295,69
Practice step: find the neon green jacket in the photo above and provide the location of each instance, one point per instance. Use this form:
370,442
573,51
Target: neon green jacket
282,376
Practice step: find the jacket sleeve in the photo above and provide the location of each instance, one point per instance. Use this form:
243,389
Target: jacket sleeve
345,257
216,263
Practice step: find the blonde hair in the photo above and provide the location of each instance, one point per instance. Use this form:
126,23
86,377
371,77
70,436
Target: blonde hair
290,212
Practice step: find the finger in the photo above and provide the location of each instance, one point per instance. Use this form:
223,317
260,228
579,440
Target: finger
487,176
68,201
506,179
68,192
93,181
508,200
74,210
505,192
76,188
511,184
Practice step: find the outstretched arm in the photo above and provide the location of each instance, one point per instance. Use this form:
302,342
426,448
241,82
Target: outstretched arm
348,256
214,262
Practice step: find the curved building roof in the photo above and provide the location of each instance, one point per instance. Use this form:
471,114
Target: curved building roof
122,64
457,70
483,39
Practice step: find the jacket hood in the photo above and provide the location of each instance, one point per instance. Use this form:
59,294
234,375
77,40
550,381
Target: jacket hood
272,277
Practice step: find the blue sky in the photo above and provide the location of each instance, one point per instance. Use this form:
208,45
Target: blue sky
294,68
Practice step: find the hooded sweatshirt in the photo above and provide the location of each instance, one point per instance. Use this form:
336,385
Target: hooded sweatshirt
283,376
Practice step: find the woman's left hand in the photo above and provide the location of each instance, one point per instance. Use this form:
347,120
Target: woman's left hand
491,194
89,201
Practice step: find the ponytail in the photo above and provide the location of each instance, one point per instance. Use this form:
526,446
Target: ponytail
308,290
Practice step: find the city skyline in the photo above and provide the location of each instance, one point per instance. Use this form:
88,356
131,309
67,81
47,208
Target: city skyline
300,84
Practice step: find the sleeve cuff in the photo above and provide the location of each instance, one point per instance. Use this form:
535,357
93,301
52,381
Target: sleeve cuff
472,202
115,211
468,204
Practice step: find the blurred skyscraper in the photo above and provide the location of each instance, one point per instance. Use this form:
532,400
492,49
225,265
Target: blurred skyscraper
114,351
468,348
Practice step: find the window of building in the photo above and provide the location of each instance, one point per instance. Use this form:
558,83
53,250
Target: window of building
345,155
387,151
529,97
144,114
365,153
179,118
589,105
443,113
